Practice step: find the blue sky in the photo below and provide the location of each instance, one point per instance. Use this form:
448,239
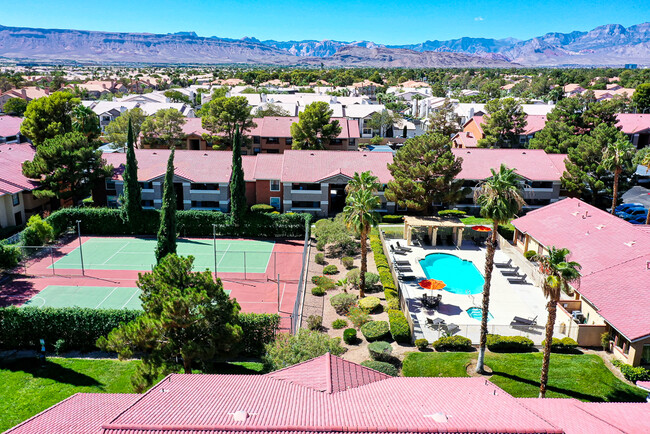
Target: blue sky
381,21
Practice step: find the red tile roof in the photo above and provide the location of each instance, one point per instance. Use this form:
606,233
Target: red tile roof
533,164
534,123
82,413
329,395
576,417
281,127
613,254
328,374
10,125
193,126
633,123
465,139
12,157
267,166
315,166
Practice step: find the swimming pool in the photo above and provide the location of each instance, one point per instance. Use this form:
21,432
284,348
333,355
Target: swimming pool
477,313
461,277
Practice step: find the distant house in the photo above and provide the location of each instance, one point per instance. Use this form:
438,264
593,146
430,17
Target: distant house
17,203
365,87
26,93
97,88
573,89
272,135
10,129
474,126
636,126
109,110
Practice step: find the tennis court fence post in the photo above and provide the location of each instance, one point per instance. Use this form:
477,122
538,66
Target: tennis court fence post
52,257
245,266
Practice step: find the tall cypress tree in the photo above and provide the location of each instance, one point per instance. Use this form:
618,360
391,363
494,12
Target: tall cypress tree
167,229
132,200
237,184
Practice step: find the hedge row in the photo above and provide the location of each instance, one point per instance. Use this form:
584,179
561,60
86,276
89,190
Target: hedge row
399,326
385,276
509,344
22,328
564,345
453,343
191,223
632,373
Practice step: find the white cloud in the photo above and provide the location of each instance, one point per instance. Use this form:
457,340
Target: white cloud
478,19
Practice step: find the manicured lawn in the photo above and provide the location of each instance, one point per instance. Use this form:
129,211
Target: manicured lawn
476,221
582,376
27,388
436,364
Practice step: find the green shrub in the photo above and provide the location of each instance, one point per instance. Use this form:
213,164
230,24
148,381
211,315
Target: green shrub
375,330
380,351
383,367
632,373
314,322
258,329
37,232
348,262
358,316
509,344
399,326
343,302
507,231
9,256
350,336
354,278
451,212
605,338
287,349
88,201
385,276
318,291
388,218
324,282
320,259
422,344
60,347
262,207
453,343
330,269
320,246
334,233
369,304
339,323
530,254
564,345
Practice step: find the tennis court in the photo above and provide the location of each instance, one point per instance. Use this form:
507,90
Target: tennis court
95,297
232,256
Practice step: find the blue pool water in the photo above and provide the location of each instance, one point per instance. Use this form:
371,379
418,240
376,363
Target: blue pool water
460,276
477,313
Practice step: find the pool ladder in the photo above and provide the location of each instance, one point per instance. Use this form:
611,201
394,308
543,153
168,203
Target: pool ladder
471,296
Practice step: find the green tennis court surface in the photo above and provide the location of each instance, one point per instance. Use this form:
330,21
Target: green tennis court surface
96,297
233,256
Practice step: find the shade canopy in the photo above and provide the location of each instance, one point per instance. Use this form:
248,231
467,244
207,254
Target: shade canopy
432,284
481,228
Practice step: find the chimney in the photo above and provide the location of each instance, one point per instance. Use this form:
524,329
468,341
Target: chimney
23,92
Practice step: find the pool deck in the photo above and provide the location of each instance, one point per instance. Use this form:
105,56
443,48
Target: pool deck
507,300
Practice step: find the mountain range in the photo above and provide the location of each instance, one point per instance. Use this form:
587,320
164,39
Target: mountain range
611,44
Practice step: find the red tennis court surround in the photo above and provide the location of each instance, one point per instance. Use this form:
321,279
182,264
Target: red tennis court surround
259,292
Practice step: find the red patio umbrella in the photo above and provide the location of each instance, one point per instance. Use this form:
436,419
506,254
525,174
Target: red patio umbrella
432,284
481,228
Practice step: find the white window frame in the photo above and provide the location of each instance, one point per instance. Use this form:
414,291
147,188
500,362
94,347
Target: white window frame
271,181
15,199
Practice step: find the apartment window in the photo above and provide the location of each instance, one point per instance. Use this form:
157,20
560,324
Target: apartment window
275,203
275,185
272,151
110,185
337,142
147,203
146,185
289,141
645,355
256,140
272,140
306,187
304,204
257,150
205,204
15,199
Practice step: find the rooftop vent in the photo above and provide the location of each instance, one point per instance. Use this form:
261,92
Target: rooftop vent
240,416
600,227
205,155
630,243
439,417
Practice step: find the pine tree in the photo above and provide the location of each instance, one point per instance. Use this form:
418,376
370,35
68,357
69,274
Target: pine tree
237,184
132,201
167,229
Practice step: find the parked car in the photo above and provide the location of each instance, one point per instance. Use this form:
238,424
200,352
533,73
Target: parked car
630,210
625,206
637,212
639,220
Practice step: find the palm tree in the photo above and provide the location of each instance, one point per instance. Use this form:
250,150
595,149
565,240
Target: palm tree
500,199
417,97
363,181
360,214
618,156
559,273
